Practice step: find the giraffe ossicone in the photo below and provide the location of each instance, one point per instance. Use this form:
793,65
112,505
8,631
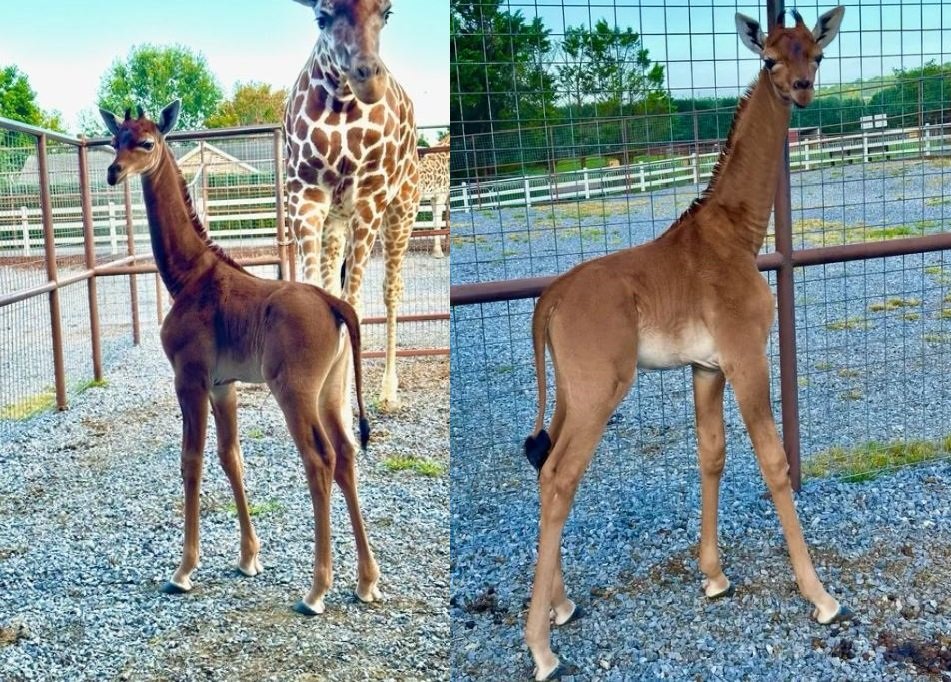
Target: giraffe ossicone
352,166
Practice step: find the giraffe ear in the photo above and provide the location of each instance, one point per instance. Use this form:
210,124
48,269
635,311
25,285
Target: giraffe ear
169,117
828,26
111,120
750,33
308,3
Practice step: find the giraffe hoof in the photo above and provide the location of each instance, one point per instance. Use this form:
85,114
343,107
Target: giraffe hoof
555,673
305,609
390,405
174,588
842,615
577,613
369,596
722,594
250,569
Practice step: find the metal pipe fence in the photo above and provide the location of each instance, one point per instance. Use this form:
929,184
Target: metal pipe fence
855,250
69,238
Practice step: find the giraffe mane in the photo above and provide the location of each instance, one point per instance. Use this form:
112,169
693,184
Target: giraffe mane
724,157
196,223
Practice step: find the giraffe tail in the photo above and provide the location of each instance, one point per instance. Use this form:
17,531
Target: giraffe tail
346,315
538,445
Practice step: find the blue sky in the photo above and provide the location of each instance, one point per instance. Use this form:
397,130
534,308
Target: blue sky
65,46
876,37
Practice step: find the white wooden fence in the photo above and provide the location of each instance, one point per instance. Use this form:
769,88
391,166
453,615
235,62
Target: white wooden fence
21,229
804,155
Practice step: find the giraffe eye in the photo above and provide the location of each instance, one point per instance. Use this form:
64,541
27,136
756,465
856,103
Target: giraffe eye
387,14
147,145
818,59
323,20
769,64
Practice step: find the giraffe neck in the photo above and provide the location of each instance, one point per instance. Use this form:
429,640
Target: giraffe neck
179,241
744,182
325,74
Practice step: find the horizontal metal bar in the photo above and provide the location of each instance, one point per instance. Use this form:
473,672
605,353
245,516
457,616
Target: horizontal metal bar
406,352
149,268
205,134
35,131
532,287
429,233
421,317
23,294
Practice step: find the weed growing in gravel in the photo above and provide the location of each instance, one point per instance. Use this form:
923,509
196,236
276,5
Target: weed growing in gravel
255,433
421,465
944,314
84,386
847,323
894,304
266,507
847,373
592,233
29,406
823,366
910,317
851,394
940,337
873,458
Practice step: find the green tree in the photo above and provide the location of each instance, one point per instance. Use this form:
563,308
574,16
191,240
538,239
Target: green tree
18,102
252,103
497,65
607,64
152,76
919,96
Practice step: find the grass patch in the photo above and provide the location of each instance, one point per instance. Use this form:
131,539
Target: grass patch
30,406
944,314
255,433
937,201
910,317
848,323
894,304
819,232
852,394
592,233
509,253
823,366
462,241
847,373
939,337
420,465
593,208
505,369
266,507
871,459
84,386
803,382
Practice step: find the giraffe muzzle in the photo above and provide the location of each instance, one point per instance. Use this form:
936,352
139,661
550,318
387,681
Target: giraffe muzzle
115,174
368,79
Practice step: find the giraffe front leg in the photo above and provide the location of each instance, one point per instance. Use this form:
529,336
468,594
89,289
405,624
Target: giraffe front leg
308,215
395,243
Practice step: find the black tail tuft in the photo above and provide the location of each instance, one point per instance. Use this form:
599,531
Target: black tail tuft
537,449
364,432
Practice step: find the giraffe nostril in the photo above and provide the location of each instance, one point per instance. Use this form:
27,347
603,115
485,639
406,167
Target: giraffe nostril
802,84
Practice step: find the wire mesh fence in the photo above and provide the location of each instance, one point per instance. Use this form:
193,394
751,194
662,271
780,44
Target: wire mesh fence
75,256
566,155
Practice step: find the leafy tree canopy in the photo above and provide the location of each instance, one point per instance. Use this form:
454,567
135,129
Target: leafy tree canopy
497,63
252,103
152,76
605,63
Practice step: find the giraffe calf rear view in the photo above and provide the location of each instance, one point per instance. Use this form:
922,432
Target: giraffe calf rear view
693,296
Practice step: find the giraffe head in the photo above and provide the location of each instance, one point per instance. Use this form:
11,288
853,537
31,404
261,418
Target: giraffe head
138,142
350,34
791,55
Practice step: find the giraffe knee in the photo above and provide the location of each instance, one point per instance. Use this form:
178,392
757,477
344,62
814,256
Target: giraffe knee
776,473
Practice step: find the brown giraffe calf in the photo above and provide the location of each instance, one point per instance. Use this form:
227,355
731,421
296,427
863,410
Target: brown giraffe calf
693,296
227,325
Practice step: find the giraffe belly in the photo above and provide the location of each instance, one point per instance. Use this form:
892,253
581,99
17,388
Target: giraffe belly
693,346
228,370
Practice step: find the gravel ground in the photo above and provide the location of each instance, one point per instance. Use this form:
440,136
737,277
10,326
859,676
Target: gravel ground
882,546
90,526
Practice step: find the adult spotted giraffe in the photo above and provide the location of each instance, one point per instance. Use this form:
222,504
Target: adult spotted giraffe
693,296
434,185
352,167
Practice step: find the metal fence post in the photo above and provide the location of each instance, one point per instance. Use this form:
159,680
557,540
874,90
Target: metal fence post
25,223
89,248
281,227
785,297
49,247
